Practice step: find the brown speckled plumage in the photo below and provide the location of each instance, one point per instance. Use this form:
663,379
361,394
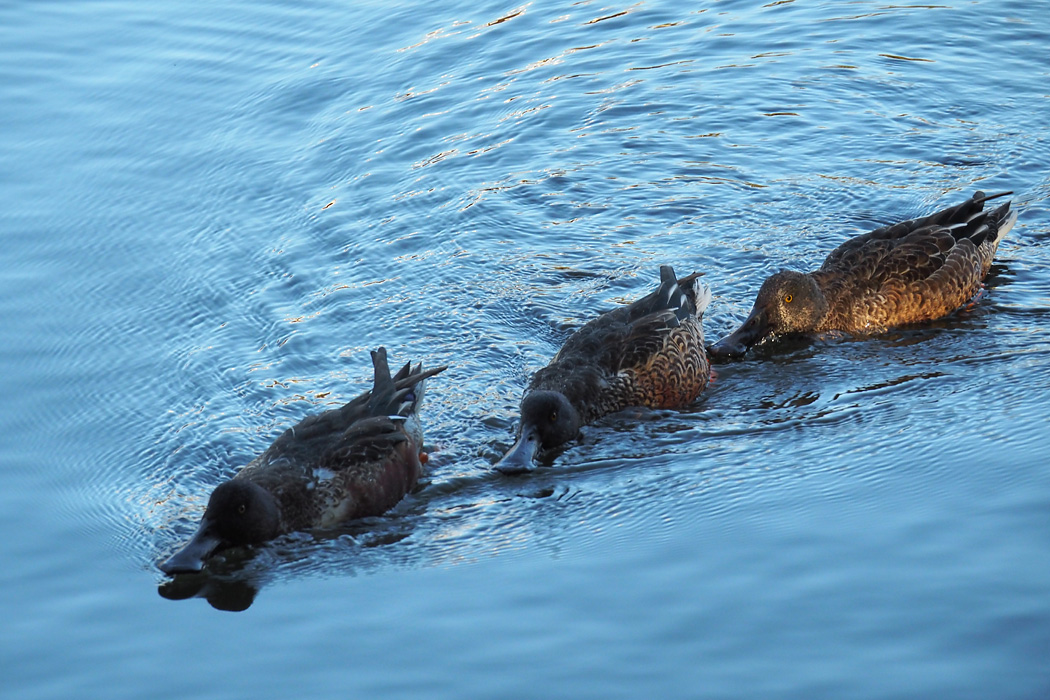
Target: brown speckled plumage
617,361
909,272
648,353
351,462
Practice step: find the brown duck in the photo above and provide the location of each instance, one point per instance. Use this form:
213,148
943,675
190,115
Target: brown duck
648,353
350,462
909,272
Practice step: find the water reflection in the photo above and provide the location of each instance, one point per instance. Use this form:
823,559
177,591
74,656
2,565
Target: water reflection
233,577
232,593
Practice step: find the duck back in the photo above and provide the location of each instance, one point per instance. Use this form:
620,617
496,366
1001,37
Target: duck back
648,353
915,270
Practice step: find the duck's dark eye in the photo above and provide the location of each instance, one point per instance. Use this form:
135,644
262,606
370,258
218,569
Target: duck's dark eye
554,416
788,298
241,508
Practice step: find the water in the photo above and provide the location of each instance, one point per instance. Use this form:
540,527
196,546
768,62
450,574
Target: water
210,213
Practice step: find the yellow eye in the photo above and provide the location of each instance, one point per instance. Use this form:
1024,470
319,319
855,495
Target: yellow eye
787,298
554,416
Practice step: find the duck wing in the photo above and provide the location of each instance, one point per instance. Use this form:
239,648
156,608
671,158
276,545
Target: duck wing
894,246
364,429
606,364
677,303
388,418
630,334
918,269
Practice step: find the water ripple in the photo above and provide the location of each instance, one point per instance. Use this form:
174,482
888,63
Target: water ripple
266,194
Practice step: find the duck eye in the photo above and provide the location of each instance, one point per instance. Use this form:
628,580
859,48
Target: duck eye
788,298
554,416
241,508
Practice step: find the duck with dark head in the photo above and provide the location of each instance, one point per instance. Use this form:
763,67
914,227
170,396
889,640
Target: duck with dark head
909,272
648,353
350,462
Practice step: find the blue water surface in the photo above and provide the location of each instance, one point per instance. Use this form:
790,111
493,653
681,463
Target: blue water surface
210,212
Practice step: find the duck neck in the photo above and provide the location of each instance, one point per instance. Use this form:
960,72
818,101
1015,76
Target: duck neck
828,287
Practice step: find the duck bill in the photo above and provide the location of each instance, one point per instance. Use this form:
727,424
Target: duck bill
190,559
754,328
519,458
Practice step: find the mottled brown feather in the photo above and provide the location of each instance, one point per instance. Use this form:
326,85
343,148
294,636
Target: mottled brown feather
904,273
642,354
911,271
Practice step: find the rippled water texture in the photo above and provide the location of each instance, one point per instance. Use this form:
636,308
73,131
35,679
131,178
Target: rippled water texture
210,212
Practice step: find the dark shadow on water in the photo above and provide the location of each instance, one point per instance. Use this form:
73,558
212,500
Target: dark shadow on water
231,594
227,582
233,578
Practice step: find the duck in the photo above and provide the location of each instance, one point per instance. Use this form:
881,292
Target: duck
648,353
903,273
355,461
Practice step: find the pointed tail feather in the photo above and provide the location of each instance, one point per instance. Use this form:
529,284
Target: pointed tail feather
1006,223
980,197
695,291
400,394
418,375
1001,219
410,392
403,372
668,287
382,384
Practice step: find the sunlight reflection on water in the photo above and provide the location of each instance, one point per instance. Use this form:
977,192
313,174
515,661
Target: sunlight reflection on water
213,213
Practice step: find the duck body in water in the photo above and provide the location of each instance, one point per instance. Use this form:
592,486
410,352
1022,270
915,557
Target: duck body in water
909,272
648,353
355,461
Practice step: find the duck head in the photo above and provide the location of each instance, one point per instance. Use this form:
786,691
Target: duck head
547,420
788,302
239,512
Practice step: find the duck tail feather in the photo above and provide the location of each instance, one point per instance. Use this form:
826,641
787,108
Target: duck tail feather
418,374
403,372
668,287
382,383
1009,218
412,388
703,297
980,197
695,292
